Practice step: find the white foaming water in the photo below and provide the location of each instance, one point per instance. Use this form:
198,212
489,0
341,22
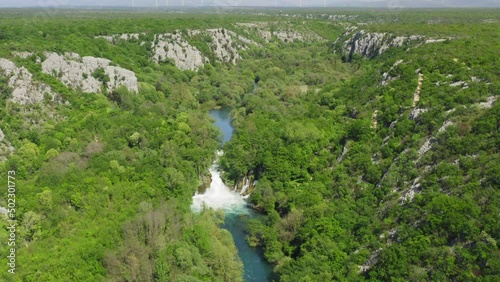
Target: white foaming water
245,186
220,196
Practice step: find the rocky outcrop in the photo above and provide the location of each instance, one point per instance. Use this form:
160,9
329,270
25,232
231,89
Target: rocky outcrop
462,84
425,147
344,153
489,102
173,46
245,41
223,46
445,125
22,54
415,112
372,260
6,148
3,210
24,89
374,123
289,36
205,180
113,39
340,17
87,73
372,44
416,97
246,185
387,77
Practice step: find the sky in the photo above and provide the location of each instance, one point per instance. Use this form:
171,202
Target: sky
280,3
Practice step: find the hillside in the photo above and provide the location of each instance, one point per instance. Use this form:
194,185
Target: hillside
369,138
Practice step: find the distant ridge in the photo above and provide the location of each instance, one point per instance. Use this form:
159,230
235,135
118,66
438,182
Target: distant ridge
267,4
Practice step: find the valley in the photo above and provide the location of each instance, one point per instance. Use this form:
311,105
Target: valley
358,144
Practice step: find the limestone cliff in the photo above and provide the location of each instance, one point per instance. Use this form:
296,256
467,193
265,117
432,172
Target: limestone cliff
24,89
5,147
82,72
173,46
223,46
372,44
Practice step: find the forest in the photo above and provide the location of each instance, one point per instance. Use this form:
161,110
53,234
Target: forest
374,162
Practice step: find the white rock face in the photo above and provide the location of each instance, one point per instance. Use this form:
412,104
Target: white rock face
341,17
386,77
25,90
416,95
109,38
374,119
435,40
266,35
76,72
243,39
6,150
175,47
3,210
223,46
475,79
289,36
489,102
22,54
462,84
25,55
425,147
416,112
5,147
445,125
410,193
371,44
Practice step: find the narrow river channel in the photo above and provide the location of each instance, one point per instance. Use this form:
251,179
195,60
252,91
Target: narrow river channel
220,196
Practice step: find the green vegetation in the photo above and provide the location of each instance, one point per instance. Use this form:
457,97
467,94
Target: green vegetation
104,181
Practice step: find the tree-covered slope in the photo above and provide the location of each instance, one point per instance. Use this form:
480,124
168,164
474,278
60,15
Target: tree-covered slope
363,180
379,168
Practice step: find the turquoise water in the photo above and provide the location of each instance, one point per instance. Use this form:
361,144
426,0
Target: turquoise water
223,121
256,268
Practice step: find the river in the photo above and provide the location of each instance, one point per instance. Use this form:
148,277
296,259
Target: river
220,196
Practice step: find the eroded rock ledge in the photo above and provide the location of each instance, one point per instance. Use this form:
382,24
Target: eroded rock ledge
24,89
371,44
87,73
175,47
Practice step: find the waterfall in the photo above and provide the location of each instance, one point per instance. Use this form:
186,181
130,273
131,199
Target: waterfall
219,196
246,184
